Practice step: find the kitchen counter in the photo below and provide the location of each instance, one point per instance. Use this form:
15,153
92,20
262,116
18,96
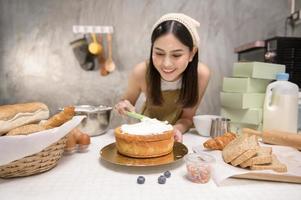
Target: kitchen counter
85,176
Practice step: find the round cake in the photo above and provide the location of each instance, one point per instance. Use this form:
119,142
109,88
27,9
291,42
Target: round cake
149,138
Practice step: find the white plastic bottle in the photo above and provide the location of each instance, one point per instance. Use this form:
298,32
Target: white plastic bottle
280,109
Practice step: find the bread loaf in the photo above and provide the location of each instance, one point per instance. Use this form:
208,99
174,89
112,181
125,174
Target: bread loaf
252,150
235,148
60,118
26,129
263,156
276,165
12,116
246,152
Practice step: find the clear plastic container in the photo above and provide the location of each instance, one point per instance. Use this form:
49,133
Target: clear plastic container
70,150
77,148
199,167
280,109
82,148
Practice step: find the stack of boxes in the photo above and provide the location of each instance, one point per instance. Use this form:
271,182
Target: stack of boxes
243,94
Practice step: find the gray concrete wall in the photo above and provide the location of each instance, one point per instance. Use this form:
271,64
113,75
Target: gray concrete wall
297,30
37,62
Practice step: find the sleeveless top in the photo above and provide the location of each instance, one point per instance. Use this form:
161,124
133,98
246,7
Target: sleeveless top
169,110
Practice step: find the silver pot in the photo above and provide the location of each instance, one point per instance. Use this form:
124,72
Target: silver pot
97,121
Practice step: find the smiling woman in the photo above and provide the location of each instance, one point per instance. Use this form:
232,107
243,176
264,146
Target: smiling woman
173,80
170,57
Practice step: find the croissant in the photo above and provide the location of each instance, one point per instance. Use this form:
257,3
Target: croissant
219,142
60,118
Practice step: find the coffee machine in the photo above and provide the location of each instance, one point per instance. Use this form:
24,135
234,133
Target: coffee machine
280,50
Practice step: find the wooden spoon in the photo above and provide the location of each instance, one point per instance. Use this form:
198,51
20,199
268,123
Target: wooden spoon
94,47
109,65
101,59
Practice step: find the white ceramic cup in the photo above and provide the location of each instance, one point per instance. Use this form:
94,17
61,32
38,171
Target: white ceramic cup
202,123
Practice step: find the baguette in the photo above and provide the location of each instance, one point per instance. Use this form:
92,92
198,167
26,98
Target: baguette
60,118
13,116
26,129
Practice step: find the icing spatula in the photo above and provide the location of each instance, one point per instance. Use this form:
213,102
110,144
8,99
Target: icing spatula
137,116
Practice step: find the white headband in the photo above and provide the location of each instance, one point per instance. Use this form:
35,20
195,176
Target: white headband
190,23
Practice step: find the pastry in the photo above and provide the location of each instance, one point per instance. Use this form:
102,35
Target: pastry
219,142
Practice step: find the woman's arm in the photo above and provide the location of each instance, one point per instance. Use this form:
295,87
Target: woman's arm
185,122
135,84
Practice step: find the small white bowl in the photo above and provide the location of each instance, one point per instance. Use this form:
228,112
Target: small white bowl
202,123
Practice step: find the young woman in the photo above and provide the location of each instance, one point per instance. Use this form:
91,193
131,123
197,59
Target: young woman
173,80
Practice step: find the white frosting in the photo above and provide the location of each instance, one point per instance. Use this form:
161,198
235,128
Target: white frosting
147,126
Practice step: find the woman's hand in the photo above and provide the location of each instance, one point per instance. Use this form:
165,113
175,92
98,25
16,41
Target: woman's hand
178,135
123,106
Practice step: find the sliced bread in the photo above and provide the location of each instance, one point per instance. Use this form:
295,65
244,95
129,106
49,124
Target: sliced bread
263,156
235,148
252,150
276,165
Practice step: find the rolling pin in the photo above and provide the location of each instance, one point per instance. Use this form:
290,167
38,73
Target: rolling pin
277,137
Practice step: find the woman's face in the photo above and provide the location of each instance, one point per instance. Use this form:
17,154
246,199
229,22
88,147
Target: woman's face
170,57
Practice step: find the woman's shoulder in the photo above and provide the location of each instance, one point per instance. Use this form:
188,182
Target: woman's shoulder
138,75
203,70
139,70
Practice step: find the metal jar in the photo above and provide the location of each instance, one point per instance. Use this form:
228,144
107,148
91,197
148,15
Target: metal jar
97,119
219,126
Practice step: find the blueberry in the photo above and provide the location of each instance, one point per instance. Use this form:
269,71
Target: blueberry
161,179
140,180
167,174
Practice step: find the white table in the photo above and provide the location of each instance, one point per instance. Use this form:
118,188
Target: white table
85,176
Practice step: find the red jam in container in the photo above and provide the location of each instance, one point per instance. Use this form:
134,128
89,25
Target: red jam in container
199,166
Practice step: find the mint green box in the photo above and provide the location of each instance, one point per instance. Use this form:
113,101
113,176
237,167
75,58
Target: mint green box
259,70
231,84
242,100
244,116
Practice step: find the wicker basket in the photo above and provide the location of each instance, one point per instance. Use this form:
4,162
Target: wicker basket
36,163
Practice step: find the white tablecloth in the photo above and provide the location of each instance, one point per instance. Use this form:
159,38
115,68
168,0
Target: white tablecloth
85,176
